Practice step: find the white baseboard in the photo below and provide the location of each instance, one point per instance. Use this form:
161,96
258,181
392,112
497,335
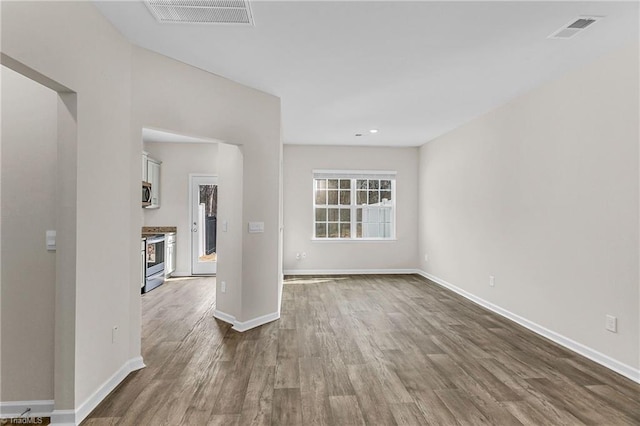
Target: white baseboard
223,316
64,418
602,359
74,417
256,322
13,409
348,271
246,325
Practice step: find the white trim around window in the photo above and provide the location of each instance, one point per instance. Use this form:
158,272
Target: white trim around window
354,206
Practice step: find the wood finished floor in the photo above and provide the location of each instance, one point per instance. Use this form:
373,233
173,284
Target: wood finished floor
379,350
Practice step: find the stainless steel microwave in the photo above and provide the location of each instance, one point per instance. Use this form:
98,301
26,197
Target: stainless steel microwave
146,194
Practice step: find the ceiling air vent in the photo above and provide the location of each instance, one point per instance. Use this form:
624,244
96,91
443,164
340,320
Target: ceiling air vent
236,12
575,26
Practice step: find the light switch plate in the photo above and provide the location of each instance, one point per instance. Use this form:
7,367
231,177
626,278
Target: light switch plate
256,227
611,324
51,240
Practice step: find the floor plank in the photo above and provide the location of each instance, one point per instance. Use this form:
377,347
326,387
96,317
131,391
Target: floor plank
356,350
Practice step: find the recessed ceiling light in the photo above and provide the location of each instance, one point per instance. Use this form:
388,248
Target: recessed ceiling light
373,131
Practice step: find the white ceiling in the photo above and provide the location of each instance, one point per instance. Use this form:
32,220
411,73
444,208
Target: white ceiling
413,70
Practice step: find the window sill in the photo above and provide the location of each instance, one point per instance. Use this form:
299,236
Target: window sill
353,240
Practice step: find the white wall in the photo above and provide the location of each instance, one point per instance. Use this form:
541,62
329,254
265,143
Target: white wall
229,243
29,163
208,106
91,59
178,161
299,163
120,90
543,194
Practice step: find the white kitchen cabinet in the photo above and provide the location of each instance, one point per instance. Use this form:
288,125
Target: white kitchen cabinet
143,261
170,254
145,158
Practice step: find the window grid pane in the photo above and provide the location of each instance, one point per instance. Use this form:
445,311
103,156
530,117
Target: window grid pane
363,213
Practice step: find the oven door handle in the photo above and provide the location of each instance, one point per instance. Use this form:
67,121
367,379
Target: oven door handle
155,240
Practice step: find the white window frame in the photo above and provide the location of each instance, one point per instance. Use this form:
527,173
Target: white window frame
353,175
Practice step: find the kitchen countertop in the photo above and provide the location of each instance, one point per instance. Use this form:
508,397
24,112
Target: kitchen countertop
153,230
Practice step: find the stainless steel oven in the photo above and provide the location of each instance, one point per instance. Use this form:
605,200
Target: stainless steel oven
154,259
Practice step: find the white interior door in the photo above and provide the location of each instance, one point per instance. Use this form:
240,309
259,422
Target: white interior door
203,215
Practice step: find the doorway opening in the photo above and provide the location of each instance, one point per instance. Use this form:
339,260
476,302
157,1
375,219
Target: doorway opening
204,224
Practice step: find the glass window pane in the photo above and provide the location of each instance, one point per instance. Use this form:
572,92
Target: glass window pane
362,197
333,197
345,197
371,230
333,230
373,197
385,215
321,196
345,230
372,215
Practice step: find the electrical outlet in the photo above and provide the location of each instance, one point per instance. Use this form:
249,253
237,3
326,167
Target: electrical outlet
114,334
426,257
298,256
223,287
304,255
491,281
612,323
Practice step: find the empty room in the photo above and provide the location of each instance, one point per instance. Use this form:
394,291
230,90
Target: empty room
253,212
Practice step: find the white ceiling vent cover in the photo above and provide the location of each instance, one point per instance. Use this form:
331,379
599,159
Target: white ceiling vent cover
575,27
235,12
